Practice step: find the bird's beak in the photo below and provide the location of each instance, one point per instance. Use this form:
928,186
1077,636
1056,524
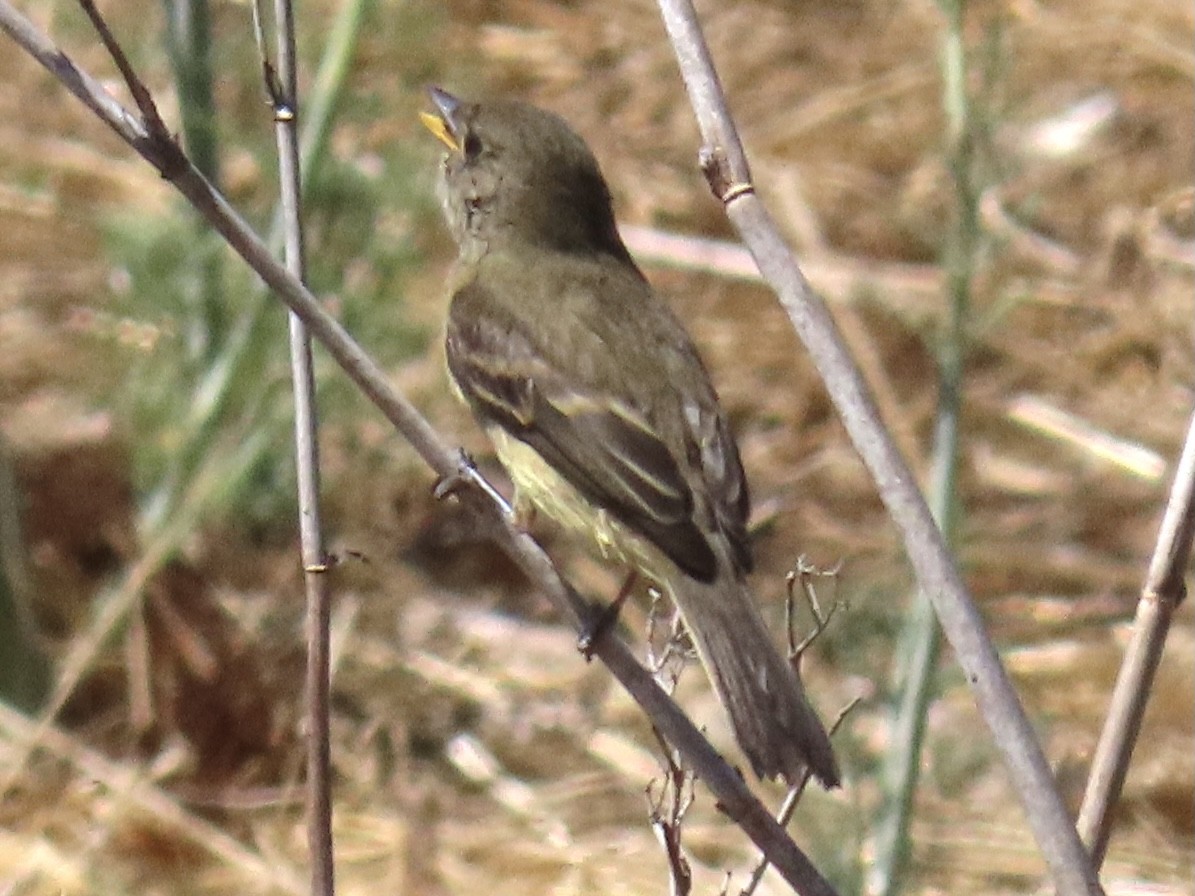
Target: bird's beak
443,123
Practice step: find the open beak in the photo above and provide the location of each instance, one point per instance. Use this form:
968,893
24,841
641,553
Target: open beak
442,123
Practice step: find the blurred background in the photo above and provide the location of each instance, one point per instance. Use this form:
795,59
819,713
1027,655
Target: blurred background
1000,199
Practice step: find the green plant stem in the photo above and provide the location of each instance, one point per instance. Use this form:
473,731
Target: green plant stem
213,485
189,46
920,642
328,87
218,385
188,43
24,667
921,637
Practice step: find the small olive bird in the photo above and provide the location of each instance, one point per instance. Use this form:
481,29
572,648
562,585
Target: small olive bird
599,406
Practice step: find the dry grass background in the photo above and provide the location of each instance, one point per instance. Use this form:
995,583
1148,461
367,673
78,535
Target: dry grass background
474,751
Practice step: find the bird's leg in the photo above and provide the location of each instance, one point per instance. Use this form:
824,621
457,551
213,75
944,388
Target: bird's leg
466,474
603,619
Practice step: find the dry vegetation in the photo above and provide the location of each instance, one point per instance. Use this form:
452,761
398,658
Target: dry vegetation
474,750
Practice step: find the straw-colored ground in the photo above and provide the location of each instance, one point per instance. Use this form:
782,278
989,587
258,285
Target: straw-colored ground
474,750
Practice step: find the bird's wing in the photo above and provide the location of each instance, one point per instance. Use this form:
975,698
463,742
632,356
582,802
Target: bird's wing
600,444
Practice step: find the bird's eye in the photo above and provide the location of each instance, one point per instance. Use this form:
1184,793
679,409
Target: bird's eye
472,145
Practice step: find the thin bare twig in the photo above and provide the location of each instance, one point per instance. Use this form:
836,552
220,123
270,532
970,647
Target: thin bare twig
792,799
724,161
282,85
156,147
803,575
666,810
1163,591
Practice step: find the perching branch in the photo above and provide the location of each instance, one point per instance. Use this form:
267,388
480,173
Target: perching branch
153,142
725,163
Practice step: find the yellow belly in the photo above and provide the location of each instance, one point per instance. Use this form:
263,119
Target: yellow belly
537,484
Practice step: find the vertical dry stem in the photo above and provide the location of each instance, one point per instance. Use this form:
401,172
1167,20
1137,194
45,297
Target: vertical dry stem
1163,591
282,84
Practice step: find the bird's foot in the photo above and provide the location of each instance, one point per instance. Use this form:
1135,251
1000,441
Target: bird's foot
603,619
466,474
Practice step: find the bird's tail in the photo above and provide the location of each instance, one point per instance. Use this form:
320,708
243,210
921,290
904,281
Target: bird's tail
773,722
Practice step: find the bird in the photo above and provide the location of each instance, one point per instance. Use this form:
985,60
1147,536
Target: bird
599,407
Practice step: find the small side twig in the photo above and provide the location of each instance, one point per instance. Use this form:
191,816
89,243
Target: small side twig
803,575
1163,591
667,807
167,155
669,660
791,800
271,82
